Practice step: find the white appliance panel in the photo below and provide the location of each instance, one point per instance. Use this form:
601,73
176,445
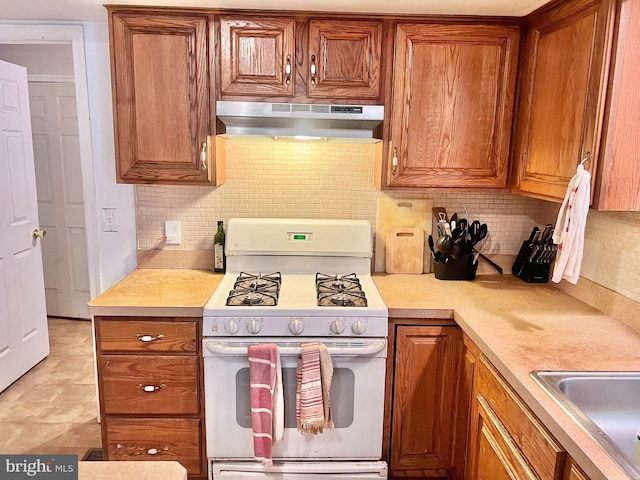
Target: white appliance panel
357,397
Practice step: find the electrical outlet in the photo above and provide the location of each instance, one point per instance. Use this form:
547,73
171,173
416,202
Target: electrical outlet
109,223
172,231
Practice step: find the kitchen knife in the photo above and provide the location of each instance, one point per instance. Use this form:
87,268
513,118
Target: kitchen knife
534,234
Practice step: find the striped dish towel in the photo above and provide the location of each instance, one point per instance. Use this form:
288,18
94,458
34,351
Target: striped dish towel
313,392
267,408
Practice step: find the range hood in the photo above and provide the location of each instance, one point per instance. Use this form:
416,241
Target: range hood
299,120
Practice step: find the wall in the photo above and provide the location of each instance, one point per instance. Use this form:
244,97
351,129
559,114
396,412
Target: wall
116,250
40,59
334,180
323,180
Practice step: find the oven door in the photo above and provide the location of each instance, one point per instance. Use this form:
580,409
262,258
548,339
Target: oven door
357,401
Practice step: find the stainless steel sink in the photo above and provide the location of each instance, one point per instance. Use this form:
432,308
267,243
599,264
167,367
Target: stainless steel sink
605,404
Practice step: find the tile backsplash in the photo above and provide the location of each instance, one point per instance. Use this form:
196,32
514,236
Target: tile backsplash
269,178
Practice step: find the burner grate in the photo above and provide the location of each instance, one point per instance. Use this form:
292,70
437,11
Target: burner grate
255,290
342,291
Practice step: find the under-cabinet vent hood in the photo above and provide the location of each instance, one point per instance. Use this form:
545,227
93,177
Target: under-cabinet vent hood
300,120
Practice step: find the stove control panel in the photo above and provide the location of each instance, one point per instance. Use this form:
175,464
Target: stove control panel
286,326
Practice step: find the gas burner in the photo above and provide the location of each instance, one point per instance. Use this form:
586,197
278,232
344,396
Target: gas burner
343,291
258,281
255,289
336,282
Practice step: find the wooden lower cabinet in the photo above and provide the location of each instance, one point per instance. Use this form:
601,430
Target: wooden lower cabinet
426,363
573,472
506,440
150,387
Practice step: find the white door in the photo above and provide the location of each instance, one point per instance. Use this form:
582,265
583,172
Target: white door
24,337
54,124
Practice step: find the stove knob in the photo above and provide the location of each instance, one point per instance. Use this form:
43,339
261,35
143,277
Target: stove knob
254,327
231,327
359,327
296,326
337,327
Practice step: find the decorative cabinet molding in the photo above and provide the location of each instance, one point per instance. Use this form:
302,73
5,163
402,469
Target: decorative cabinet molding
452,105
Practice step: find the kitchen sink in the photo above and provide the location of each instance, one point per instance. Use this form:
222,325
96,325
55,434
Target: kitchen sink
605,404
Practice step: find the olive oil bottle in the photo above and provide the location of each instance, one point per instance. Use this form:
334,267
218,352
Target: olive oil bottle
219,260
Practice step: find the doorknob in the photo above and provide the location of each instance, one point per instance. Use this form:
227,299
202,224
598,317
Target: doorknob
39,233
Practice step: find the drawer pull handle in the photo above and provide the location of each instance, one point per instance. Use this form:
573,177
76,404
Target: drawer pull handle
151,388
155,451
148,338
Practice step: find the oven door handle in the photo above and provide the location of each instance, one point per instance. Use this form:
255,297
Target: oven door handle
364,349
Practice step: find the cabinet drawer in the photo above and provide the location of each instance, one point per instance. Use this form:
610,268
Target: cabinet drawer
147,336
140,384
155,439
528,434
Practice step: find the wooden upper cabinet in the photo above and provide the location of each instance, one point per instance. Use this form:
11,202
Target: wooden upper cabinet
162,116
257,55
344,59
618,175
453,95
305,58
562,95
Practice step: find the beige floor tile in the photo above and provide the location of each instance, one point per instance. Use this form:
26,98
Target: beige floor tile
52,408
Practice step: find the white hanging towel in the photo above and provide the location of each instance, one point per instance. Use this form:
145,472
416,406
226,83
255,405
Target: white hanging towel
569,231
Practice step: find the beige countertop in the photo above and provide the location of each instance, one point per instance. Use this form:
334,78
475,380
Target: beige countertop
519,326
158,292
522,327
160,470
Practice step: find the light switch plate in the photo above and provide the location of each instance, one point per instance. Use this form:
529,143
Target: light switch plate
109,223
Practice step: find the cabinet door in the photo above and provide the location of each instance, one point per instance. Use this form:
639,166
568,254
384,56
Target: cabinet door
618,185
562,96
427,362
492,453
257,56
344,59
453,89
160,80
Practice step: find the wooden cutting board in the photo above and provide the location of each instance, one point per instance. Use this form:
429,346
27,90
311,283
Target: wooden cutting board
401,213
404,249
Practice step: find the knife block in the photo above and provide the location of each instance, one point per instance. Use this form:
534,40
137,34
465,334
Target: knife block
456,269
528,271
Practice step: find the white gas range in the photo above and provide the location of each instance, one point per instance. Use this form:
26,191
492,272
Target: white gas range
291,281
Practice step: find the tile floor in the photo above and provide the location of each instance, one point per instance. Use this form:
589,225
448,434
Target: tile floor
52,408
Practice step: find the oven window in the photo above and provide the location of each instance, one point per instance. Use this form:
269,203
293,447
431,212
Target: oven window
342,397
